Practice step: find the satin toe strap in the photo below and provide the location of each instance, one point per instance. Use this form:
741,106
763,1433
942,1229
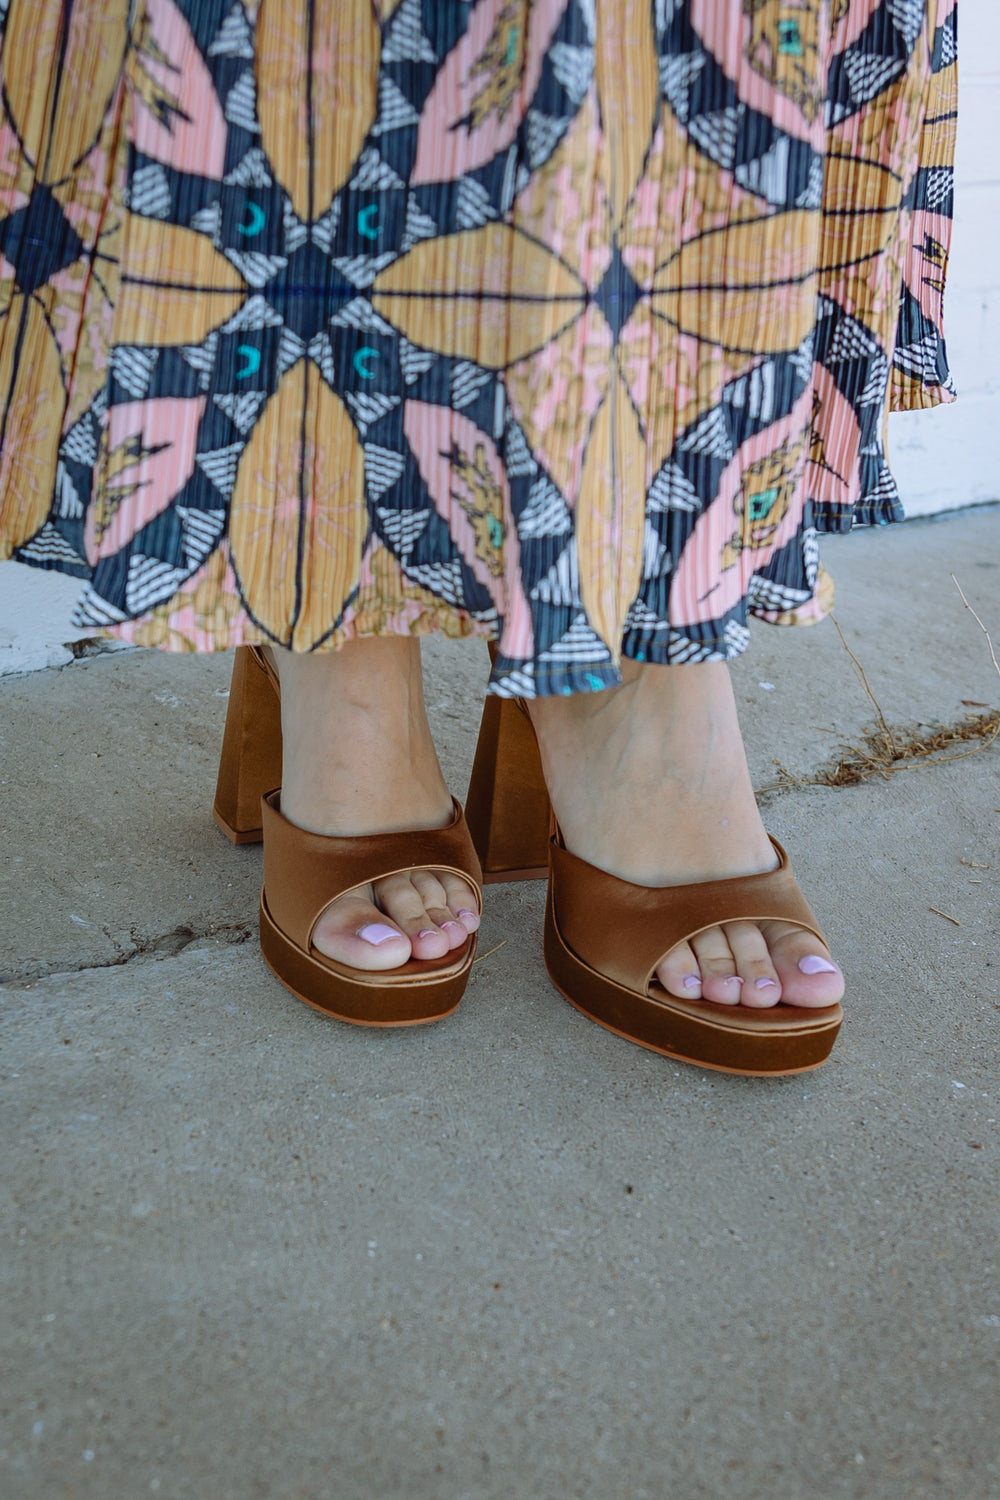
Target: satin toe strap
304,872
625,931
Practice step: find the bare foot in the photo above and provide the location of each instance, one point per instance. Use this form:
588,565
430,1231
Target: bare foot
358,758
649,781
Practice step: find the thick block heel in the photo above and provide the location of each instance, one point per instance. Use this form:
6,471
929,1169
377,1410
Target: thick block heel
507,808
250,763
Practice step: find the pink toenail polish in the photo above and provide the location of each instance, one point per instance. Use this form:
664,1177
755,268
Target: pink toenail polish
813,964
465,912
692,981
732,979
427,932
451,924
764,984
377,932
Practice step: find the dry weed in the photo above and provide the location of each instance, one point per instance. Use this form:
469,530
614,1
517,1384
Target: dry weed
884,751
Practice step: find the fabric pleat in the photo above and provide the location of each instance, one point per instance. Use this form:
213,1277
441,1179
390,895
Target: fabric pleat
567,323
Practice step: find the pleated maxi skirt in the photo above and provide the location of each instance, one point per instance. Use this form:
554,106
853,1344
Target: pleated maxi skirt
568,323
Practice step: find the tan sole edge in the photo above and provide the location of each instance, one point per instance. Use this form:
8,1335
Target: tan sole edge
567,971
333,1015
238,836
692,1062
418,1004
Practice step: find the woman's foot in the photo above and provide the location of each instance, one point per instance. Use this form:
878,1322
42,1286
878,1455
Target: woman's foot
649,781
358,758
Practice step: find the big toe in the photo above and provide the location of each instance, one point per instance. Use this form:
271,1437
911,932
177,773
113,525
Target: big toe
808,974
353,931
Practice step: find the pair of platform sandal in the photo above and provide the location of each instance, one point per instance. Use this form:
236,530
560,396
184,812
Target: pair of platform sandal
604,937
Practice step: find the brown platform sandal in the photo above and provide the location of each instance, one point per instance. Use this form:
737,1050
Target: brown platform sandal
607,968
250,763
304,872
604,937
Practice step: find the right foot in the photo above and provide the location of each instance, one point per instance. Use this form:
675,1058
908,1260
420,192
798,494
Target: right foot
358,758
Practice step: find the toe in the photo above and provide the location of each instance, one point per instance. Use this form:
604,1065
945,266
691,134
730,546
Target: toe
806,972
679,974
450,903
355,932
403,903
462,900
761,986
720,979
444,918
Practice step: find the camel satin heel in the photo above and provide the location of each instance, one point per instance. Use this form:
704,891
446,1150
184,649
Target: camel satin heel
304,872
250,763
605,937
507,806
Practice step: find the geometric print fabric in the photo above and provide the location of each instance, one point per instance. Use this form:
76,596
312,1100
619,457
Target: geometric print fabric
564,322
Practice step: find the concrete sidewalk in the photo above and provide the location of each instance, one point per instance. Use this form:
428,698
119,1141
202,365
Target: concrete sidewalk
257,1253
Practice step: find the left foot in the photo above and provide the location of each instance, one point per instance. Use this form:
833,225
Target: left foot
649,781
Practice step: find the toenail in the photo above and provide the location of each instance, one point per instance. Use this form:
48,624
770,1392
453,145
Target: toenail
451,924
764,984
465,912
427,932
732,979
377,932
692,981
813,964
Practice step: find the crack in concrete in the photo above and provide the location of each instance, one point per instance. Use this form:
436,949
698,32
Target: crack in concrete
166,945
89,646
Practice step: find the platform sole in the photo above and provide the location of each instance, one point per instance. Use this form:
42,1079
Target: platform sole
413,1002
237,835
726,1043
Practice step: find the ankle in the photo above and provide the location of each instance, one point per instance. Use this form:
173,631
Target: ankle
660,723
368,673
358,753
649,780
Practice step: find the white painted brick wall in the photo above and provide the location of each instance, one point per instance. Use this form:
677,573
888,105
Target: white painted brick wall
948,457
